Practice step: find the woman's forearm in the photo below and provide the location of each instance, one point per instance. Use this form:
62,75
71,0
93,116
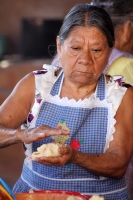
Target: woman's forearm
105,164
12,136
8,137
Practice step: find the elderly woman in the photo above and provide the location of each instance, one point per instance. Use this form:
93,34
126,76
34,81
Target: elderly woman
96,108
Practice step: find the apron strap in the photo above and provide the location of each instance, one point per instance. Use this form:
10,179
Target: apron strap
100,91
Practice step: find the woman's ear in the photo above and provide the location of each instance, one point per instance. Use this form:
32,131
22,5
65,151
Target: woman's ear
127,31
127,36
123,34
58,47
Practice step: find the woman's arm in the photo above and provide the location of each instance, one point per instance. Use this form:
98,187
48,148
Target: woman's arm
115,160
14,111
16,107
112,163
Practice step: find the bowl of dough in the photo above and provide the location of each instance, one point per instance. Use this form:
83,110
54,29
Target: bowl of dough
51,195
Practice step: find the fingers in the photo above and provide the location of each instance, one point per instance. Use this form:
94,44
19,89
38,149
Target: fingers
56,131
51,161
68,152
58,127
48,131
55,161
63,150
66,155
42,132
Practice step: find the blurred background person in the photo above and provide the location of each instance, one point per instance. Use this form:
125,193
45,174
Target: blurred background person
121,59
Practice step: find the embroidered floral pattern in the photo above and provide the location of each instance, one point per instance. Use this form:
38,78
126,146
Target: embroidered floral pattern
119,81
81,141
61,138
40,72
75,144
30,117
39,101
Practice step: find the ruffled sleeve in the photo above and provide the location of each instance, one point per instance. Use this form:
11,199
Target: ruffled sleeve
115,94
44,80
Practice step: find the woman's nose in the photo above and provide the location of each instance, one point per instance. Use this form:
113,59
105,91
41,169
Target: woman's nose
86,58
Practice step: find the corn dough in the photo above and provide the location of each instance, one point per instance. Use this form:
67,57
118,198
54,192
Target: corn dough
95,197
47,150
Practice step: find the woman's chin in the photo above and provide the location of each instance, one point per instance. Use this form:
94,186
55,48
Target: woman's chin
88,81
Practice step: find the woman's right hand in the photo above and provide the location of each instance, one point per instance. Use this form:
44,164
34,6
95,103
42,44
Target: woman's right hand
10,136
39,133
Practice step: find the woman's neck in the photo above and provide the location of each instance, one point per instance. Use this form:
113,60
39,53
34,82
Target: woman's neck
73,91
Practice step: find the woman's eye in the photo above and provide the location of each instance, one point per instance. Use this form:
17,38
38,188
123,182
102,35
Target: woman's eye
96,50
75,48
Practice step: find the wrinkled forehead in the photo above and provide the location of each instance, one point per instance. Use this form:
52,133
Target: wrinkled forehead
85,34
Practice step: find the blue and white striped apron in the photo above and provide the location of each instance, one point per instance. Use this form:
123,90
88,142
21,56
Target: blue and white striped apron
89,127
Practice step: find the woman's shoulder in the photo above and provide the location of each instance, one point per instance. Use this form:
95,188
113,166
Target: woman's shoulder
45,78
50,70
129,94
115,90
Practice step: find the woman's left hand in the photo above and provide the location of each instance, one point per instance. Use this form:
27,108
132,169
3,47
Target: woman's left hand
67,154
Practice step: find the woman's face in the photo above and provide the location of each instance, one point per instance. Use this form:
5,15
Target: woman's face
84,55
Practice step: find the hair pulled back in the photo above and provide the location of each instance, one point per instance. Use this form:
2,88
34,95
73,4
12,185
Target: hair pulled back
87,15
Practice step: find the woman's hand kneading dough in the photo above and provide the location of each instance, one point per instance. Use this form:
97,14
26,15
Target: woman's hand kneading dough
47,150
53,154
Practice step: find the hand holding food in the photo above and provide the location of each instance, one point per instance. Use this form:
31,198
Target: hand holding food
52,149
47,150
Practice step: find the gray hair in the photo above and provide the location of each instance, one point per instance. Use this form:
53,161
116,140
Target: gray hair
87,15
